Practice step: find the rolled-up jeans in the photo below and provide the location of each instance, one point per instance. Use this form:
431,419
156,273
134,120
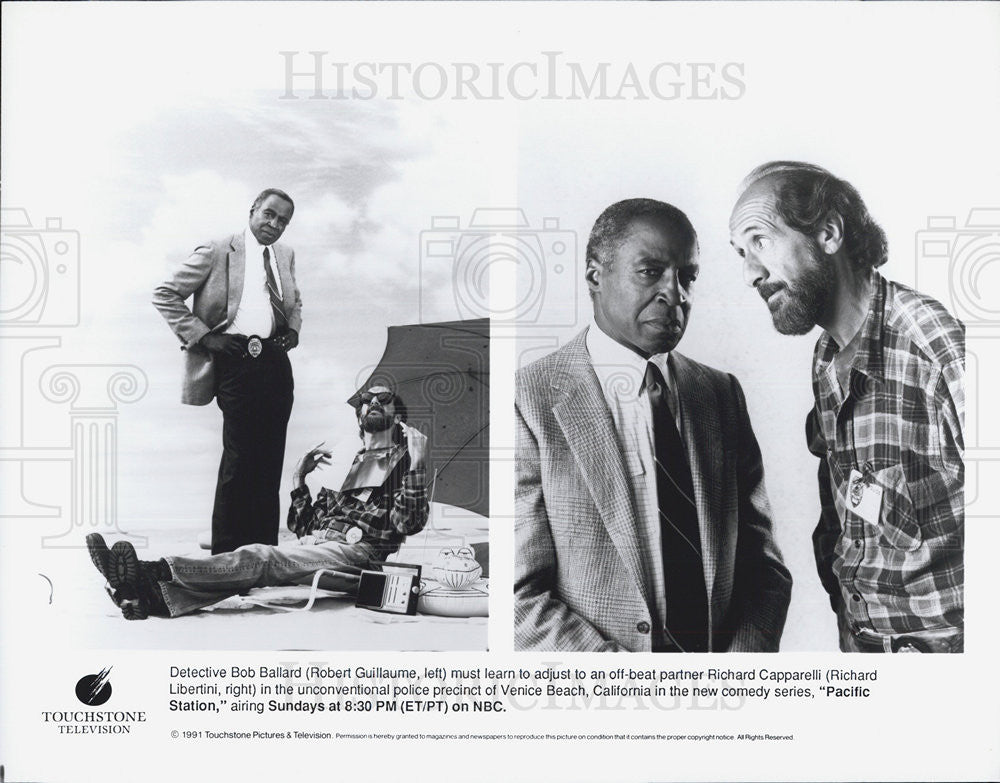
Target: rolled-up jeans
202,581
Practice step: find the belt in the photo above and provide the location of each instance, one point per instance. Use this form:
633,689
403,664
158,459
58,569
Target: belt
353,534
258,347
930,641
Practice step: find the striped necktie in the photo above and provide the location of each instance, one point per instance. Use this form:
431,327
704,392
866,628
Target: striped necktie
683,570
275,297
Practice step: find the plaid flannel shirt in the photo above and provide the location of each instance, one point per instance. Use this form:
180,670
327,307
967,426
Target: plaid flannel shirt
900,425
397,509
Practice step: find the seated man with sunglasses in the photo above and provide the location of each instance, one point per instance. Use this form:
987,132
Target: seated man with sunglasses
382,501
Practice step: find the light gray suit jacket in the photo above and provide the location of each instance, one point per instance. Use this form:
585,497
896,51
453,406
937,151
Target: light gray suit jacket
580,583
213,276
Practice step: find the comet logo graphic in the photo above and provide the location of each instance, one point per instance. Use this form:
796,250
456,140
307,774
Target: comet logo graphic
94,689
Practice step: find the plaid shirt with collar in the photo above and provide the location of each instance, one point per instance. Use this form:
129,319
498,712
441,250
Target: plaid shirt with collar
389,514
900,425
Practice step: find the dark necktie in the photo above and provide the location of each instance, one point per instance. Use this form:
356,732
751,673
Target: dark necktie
683,571
272,292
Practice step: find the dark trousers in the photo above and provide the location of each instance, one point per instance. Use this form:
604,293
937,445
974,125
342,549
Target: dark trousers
255,396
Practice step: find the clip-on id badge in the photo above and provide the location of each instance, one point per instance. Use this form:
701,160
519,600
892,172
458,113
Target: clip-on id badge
392,589
864,496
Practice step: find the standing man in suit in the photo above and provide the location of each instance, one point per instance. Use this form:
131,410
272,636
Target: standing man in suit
888,381
245,316
642,518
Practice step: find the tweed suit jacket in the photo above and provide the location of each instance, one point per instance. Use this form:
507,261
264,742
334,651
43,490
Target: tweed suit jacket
580,583
213,277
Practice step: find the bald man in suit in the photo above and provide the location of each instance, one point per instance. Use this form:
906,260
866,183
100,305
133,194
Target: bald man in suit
642,521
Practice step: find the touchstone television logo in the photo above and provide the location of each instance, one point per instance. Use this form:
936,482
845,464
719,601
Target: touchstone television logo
94,689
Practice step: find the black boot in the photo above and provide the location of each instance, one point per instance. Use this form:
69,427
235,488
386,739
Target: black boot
99,552
133,584
140,580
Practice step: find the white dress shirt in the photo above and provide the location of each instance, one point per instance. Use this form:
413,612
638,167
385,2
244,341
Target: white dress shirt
621,373
255,315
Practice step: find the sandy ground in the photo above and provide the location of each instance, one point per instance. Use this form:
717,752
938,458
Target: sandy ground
80,607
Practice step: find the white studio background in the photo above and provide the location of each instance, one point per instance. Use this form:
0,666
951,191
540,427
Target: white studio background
914,137
148,128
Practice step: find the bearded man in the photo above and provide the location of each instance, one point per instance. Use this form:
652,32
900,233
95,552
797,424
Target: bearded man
382,501
888,381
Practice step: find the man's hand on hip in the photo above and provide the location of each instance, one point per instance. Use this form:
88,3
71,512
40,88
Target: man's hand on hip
287,340
224,344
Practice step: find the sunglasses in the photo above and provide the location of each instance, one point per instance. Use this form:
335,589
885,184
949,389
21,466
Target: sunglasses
383,397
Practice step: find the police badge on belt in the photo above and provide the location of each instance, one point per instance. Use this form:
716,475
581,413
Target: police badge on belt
255,346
